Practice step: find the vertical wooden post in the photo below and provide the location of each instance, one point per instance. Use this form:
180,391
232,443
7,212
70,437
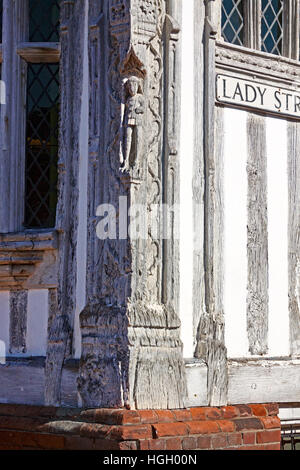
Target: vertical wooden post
13,120
291,30
252,24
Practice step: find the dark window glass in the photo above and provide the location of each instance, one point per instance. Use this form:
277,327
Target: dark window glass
1,14
271,26
44,20
41,145
232,21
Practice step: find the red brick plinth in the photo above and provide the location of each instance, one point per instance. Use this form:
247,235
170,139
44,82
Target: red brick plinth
239,427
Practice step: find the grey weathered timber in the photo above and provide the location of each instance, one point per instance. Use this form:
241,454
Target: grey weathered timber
252,24
210,335
257,236
28,259
60,335
264,381
130,329
171,180
275,70
294,235
23,381
39,52
12,136
18,321
196,377
291,30
198,174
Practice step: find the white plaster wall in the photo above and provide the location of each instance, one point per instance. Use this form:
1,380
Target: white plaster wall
4,323
277,188
235,231
186,176
37,323
235,234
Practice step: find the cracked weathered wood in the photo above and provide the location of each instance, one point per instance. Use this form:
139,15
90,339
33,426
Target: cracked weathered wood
294,235
290,29
199,175
252,24
210,336
126,317
257,236
18,300
13,118
60,335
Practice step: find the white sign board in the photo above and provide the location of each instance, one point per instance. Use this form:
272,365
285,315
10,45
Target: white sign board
257,95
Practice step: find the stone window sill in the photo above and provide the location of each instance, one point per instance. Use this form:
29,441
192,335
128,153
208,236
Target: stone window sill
28,259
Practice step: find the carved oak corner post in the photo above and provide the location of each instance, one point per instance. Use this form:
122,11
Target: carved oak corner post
210,337
131,347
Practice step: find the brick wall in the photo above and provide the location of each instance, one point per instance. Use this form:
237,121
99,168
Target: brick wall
239,427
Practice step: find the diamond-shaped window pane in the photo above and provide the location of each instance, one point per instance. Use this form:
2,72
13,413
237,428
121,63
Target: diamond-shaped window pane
232,21
44,20
1,19
271,26
41,145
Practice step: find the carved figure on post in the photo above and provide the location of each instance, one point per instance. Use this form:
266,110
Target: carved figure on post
132,122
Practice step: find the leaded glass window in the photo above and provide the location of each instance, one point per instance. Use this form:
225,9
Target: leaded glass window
271,26
1,14
42,118
44,20
232,21
41,144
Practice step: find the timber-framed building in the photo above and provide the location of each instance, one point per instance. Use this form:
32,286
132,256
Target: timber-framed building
149,223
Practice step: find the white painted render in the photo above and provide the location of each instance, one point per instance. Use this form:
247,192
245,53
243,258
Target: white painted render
4,320
186,176
37,323
277,178
235,231
81,248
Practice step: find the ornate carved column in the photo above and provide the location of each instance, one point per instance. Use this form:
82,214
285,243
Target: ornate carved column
131,347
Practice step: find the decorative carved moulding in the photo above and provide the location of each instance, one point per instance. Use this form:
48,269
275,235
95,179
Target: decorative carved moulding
28,259
276,70
37,52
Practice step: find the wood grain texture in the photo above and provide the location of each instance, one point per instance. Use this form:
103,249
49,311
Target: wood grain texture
294,235
252,24
257,236
211,346
198,175
18,300
263,381
23,381
130,337
13,118
290,42
60,334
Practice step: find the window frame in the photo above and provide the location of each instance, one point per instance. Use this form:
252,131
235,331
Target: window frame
16,52
290,25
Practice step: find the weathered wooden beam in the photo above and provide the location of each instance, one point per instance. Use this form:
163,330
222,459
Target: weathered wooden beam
294,235
260,381
210,344
252,24
257,236
291,29
18,321
39,52
12,115
60,333
130,329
